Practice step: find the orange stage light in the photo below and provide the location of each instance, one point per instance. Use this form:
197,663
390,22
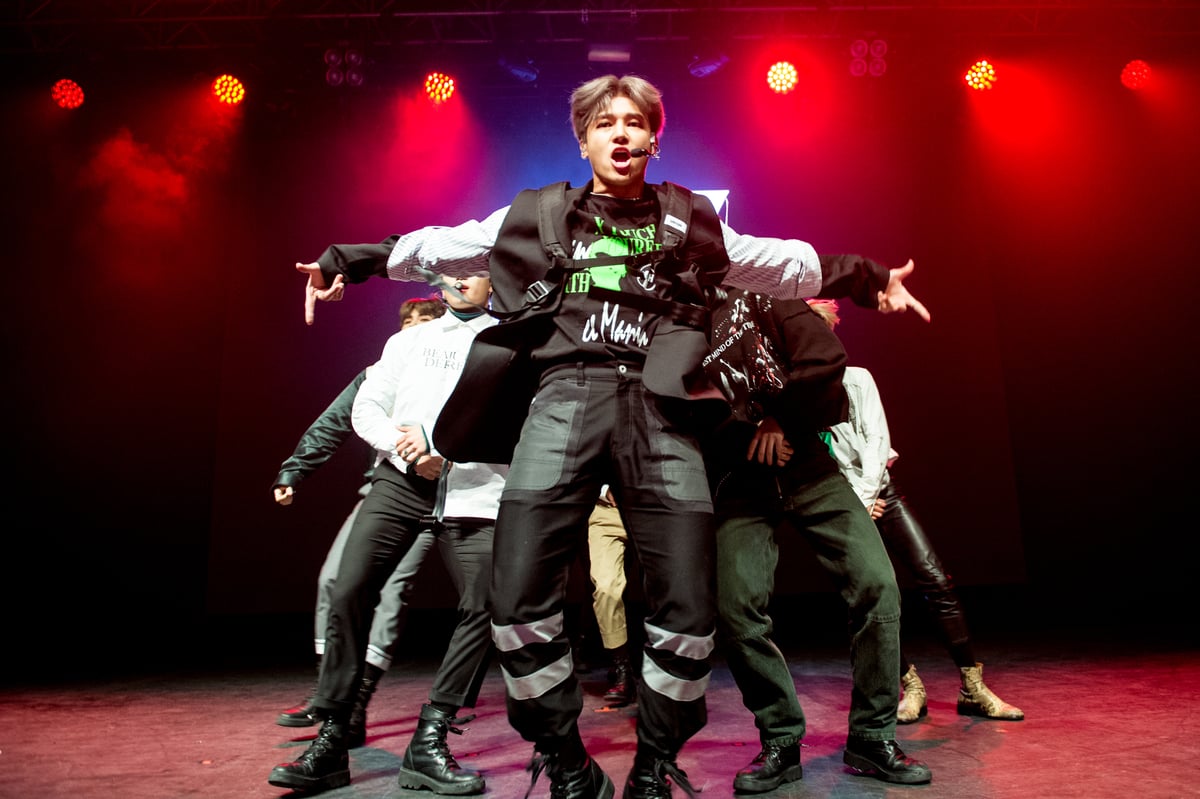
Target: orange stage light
228,89
439,87
782,77
980,76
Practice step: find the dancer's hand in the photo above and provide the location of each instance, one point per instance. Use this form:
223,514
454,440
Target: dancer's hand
317,290
876,508
769,446
896,298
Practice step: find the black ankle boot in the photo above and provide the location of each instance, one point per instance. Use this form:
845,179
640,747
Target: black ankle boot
356,728
303,714
573,774
648,778
774,766
621,690
325,765
428,762
884,760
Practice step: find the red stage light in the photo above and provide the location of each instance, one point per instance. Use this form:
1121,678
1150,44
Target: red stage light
439,87
1135,75
67,94
228,89
980,76
782,77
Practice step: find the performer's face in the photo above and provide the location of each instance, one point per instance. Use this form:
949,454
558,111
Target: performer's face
415,318
475,288
610,138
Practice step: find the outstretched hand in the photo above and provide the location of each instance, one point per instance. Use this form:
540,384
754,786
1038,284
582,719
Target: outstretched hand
317,290
896,298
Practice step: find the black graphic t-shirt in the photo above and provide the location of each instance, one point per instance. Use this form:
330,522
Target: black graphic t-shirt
745,362
600,331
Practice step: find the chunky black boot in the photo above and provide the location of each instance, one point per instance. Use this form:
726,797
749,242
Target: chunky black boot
428,762
648,778
356,728
573,773
884,760
325,765
621,690
774,766
303,714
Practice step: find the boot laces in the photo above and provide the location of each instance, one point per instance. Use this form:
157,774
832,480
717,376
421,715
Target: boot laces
535,768
447,725
321,744
439,744
669,768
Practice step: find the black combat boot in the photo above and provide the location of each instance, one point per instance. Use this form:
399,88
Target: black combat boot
356,728
325,765
573,774
648,778
774,766
303,714
621,689
428,762
884,760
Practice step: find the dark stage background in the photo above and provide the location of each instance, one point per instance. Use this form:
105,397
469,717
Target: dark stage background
160,369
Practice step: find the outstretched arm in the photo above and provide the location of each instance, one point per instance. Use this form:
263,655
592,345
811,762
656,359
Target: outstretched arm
420,255
322,438
869,283
792,269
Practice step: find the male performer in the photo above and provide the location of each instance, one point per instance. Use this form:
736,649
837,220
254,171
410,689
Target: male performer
320,441
782,369
414,489
605,286
862,446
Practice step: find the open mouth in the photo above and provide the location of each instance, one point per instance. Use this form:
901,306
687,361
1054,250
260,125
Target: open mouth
621,156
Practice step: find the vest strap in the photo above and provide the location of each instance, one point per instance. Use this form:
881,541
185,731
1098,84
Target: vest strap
695,316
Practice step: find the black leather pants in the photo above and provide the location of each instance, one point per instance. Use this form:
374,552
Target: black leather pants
910,549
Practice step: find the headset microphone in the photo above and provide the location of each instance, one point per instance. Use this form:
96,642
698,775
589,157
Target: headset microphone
638,152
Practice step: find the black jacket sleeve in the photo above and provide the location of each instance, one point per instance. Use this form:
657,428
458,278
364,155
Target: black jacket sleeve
852,276
322,438
813,398
356,262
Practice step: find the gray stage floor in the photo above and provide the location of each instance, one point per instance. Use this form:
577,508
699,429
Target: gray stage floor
1105,718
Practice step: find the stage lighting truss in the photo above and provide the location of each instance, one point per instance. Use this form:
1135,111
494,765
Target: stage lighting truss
344,66
867,58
